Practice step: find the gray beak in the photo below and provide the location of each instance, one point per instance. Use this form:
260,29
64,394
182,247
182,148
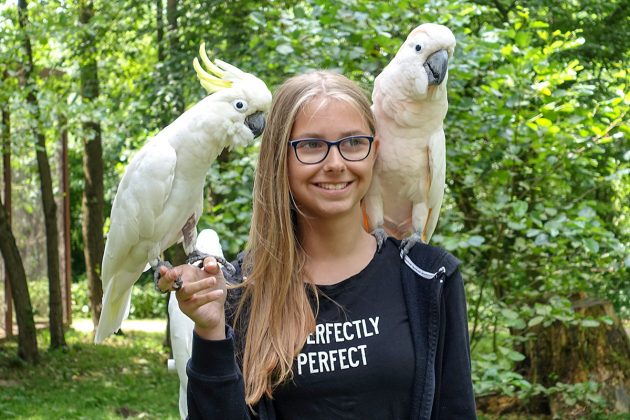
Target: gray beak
436,67
256,123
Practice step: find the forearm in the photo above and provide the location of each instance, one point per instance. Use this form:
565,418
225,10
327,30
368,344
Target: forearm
456,399
215,382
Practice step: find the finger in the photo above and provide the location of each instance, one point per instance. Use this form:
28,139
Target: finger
189,290
199,300
211,266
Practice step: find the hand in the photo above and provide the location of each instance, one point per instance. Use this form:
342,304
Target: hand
201,296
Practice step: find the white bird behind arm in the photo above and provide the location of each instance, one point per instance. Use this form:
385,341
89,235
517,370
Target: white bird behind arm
160,197
181,327
409,104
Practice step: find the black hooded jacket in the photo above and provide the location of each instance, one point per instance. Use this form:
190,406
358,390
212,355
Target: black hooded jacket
436,306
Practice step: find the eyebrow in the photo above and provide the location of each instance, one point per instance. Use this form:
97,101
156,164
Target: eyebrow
314,135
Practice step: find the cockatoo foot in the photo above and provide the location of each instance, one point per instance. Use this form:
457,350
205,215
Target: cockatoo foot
381,237
408,243
196,258
156,277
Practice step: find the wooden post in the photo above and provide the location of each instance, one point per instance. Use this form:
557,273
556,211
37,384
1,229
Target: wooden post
65,181
6,159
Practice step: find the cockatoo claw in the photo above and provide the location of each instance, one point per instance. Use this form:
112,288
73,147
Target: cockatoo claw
156,275
178,283
408,243
228,269
381,237
196,258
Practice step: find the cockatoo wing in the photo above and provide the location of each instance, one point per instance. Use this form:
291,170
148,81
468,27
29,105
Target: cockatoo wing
181,327
437,163
139,201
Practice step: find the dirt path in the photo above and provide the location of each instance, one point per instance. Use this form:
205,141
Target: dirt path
148,325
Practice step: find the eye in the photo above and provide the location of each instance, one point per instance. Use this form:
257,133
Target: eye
418,47
310,145
240,105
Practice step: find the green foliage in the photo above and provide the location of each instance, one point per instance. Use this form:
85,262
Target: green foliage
146,303
537,138
230,183
38,291
125,377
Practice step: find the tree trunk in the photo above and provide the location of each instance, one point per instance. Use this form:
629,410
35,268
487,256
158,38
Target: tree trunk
6,168
55,314
93,196
573,354
67,249
159,24
27,335
174,53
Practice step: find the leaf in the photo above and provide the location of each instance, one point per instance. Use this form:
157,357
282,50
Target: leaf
520,208
523,39
591,245
476,240
589,323
535,321
516,225
284,49
509,314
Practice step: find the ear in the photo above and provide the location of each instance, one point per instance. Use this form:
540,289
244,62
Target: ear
375,145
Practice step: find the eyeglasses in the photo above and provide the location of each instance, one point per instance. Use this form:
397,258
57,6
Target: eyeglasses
312,151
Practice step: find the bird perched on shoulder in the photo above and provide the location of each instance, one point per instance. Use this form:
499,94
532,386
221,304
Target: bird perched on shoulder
409,103
160,197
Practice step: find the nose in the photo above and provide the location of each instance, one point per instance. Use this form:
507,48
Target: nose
334,161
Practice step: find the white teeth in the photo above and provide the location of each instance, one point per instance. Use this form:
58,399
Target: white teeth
333,186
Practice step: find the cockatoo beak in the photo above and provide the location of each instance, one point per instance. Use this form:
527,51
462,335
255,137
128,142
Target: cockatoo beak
256,123
436,67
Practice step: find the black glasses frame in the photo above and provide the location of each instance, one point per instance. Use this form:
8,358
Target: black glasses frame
296,142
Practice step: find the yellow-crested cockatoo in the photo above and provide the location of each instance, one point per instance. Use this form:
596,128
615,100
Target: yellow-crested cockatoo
160,197
409,103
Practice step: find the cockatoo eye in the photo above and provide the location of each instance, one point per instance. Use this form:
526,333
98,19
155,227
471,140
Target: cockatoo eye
418,47
240,105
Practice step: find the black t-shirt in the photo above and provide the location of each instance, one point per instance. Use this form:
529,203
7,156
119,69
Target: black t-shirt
359,362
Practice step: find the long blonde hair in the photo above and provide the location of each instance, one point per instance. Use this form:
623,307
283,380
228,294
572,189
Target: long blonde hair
275,299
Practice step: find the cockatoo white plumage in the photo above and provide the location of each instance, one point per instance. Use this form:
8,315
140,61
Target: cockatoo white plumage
160,197
410,103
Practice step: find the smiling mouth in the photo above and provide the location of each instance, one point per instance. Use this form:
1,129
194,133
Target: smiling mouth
331,186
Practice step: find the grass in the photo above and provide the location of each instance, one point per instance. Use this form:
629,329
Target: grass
124,378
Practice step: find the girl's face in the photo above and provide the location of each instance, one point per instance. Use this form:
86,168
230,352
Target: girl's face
334,186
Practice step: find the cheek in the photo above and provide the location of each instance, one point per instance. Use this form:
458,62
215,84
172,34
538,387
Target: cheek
297,174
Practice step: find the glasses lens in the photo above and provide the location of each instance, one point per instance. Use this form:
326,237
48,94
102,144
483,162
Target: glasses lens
311,151
355,148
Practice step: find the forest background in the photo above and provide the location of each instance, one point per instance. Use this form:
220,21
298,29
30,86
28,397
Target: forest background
537,198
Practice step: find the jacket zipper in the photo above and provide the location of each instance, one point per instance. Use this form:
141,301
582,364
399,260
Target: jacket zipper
419,271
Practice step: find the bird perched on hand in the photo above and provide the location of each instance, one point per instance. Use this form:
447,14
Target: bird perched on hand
160,197
409,104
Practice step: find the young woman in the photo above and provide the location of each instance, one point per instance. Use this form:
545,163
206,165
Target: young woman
321,325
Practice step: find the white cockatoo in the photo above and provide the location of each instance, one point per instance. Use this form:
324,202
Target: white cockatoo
160,197
181,327
409,104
